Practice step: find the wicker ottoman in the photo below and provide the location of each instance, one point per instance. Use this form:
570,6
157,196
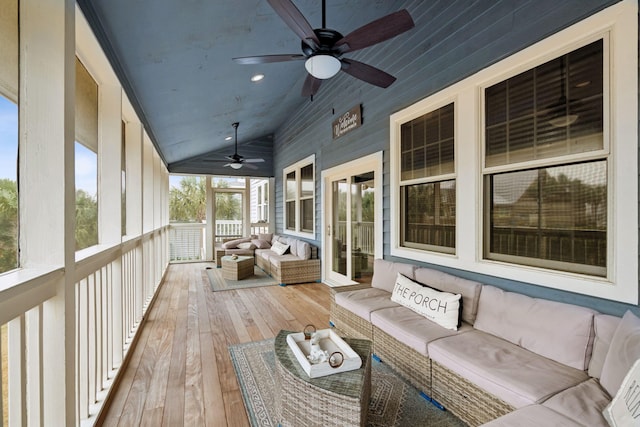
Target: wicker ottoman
339,399
237,269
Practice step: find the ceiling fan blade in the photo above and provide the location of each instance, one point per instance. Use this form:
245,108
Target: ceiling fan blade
375,32
248,166
253,160
265,59
310,86
367,73
294,19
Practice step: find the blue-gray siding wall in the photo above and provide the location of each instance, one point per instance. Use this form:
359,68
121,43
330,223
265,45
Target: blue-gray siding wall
451,41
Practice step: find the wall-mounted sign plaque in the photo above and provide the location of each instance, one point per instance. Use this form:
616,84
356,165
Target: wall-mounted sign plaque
347,122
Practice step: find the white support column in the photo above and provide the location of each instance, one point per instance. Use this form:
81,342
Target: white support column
210,215
109,163
147,184
272,205
46,170
133,136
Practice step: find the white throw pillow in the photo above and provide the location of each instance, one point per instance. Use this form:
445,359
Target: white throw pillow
279,248
623,409
439,307
623,352
246,245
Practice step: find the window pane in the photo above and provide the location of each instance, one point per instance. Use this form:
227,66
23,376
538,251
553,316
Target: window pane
554,217
291,215
228,182
306,181
8,185
187,200
427,145
307,215
86,173
553,110
429,215
291,186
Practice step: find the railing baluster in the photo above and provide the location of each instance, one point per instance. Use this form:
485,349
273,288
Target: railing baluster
17,372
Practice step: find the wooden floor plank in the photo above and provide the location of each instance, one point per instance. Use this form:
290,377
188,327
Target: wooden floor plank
180,373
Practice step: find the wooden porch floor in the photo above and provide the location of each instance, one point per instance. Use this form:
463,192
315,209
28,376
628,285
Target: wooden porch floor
180,373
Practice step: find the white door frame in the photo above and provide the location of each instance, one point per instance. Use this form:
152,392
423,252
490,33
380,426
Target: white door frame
372,162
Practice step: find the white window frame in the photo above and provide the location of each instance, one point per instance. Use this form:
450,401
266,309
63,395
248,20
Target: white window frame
619,27
428,179
297,167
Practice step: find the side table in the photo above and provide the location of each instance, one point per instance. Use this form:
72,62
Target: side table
238,268
339,399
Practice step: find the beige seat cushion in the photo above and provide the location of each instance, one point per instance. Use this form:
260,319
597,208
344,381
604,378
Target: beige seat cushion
363,301
533,416
507,371
583,403
411,328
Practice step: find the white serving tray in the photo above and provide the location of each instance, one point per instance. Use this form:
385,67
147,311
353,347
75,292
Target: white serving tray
329,341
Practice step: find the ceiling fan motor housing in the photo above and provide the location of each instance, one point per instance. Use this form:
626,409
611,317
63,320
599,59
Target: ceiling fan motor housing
327,38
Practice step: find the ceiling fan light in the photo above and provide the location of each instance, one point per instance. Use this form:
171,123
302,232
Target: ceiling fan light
323,66
563,121
235,165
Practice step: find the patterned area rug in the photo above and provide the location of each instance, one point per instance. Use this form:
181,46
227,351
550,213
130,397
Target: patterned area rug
218,283
393,401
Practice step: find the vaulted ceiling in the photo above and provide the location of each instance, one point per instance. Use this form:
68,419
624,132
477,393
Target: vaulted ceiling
174,60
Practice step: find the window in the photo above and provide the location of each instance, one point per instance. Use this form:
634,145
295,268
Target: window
428,194
299,191
86,158
553,215
8,185
546,170
262,201
187,199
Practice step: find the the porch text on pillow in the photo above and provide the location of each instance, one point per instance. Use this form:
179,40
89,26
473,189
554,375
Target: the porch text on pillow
624,409
439,307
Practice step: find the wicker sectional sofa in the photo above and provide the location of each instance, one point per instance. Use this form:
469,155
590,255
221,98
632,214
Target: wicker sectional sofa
299,264
514,360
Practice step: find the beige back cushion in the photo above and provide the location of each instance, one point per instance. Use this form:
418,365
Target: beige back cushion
558,331
469,289
386,272
604,327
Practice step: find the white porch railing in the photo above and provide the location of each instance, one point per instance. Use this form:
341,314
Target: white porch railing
113,289
187,240
362,235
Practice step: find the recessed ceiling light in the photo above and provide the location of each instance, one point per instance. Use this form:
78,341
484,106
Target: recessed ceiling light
229,138
257,77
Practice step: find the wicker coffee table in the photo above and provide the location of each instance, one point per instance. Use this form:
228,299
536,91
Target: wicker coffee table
238,268
339,399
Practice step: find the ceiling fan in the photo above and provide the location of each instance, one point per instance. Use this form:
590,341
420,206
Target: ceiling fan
322,48
237,161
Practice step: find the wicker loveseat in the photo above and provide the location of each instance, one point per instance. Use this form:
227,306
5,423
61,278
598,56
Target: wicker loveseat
534,361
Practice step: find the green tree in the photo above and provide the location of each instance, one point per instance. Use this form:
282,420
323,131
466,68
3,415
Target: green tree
86,220
188,202
8,225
